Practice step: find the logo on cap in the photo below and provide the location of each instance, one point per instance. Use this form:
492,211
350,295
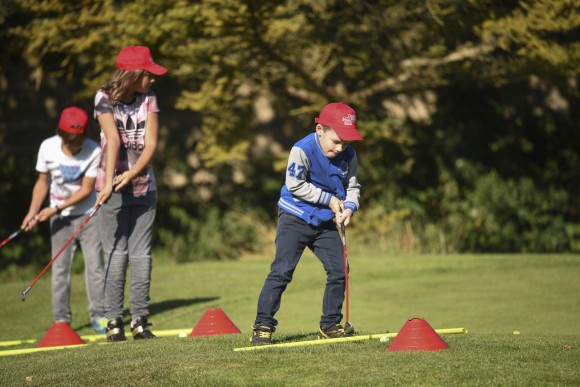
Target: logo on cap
349,120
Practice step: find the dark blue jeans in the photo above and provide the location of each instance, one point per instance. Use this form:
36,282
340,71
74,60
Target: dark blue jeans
293,235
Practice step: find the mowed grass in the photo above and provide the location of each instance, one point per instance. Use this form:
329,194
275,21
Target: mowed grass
490,295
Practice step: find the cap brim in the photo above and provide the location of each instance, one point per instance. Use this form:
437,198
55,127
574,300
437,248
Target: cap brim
350,134
156,69
73,130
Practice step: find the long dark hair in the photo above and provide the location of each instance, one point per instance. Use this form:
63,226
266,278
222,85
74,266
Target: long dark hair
119,88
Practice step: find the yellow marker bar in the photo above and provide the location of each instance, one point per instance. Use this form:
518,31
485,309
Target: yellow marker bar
317,342
92,338
340,340
160,333
30,350
451,331
172,332
16,342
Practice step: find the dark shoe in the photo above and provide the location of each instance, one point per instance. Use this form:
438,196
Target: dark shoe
334,331
262,334
140,329
115,330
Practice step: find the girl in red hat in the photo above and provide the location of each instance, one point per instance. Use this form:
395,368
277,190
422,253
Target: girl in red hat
127,112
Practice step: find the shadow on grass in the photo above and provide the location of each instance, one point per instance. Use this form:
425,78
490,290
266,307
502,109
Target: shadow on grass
295,337
159,307
163,306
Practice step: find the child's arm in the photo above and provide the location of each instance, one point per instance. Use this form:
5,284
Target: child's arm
111,133
298,185
351,203
87,187
38,195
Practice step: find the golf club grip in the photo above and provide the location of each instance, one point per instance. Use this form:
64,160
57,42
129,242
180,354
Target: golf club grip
12,236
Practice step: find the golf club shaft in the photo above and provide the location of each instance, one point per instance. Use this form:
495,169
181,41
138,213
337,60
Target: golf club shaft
11,237
342,229
59,252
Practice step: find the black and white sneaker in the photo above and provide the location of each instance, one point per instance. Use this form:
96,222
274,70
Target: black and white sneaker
140,329
116,330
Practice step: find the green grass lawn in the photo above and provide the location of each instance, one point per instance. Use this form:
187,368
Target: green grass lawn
490,295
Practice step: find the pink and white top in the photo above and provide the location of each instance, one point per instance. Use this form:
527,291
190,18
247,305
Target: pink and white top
131,123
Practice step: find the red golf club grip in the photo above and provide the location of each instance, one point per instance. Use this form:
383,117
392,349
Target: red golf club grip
12,236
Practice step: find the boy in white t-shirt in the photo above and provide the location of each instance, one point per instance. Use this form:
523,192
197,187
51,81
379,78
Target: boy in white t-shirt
67,166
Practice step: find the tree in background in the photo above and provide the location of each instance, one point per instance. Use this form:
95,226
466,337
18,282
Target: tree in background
459,102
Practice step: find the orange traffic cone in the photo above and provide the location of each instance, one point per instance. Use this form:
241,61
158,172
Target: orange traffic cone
417,335
214,322
59,334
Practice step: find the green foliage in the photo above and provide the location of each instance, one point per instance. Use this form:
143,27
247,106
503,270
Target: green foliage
434,82
513,215
492,215
210,235
540,35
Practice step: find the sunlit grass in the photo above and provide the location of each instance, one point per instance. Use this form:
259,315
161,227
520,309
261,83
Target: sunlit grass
491,296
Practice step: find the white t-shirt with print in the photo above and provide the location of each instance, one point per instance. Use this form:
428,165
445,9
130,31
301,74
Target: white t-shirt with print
67,172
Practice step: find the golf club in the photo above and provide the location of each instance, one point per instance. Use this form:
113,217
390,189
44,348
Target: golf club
11,237
348,328
23,295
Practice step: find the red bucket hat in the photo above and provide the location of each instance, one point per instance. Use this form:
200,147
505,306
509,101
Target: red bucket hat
73,120
138,58
342,119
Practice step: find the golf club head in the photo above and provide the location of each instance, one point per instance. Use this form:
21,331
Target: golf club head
348,328
23,294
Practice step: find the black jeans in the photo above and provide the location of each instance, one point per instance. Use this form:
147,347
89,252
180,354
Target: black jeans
293,235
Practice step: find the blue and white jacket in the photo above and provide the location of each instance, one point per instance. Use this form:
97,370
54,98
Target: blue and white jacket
312,179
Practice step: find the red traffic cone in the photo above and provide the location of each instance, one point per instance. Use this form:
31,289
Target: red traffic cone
417,335
59,334
214,322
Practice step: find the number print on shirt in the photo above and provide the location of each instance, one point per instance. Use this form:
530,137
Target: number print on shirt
296,170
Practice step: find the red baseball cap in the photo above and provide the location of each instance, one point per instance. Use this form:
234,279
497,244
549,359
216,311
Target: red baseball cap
73,120
342,119
138,58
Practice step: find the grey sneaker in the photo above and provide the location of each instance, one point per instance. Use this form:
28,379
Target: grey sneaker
262,334
334,331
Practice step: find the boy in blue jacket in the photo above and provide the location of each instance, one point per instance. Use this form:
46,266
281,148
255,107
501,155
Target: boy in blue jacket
321,184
